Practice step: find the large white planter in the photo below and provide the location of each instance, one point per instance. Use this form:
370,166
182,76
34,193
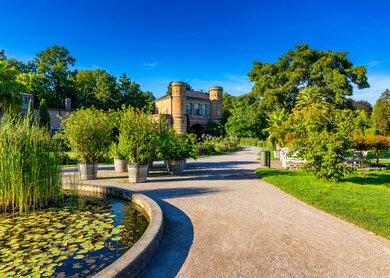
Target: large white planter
175,167
120,165
137,173
88,171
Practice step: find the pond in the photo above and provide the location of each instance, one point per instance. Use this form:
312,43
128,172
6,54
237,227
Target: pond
78,239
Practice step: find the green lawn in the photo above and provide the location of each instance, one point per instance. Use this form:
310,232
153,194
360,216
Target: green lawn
363,199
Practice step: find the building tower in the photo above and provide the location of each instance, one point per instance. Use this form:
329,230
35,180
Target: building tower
179,116
215,95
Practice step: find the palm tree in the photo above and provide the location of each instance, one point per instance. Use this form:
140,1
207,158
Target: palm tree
276,133
9,87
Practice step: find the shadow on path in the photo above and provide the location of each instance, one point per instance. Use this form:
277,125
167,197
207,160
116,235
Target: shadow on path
178,233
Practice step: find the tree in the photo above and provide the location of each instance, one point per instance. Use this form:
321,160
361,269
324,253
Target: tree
278,85
227,105
9,88
363,105
376,143
43,118
106,92
320,134
36,85
97,88
54,63
246,119
381,113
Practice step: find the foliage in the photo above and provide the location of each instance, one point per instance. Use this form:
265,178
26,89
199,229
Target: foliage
174,146
30,166
132,95
65,239
227,105
50,76
115,152
276,133
138,136
35,84
279,84
213,128
363,105
375,143
88,133
320,134
43,118
381,113
30,119
362,122
252,142
9,87
54,63
214,145
366,206
247,119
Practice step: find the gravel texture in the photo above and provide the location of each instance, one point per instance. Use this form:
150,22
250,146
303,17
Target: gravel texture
222,221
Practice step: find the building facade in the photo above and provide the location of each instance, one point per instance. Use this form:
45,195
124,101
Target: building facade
189,109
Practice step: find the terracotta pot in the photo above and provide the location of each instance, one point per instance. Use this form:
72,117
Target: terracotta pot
137,173
88,171
120,165
175,167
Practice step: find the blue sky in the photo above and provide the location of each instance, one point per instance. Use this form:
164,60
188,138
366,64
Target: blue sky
205,43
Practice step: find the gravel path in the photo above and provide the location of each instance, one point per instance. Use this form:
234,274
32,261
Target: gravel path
222,221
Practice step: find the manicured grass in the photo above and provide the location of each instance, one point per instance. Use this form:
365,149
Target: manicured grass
363,199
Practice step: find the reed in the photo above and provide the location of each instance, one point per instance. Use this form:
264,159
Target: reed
30,166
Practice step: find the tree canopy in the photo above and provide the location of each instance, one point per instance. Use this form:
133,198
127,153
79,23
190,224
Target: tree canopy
278,84
381,113
51,76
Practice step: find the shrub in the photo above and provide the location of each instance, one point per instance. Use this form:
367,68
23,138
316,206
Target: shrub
138,137
30,166
252,142
115,152
175,146
88,133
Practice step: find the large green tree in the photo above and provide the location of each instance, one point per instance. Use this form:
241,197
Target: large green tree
381,113
55,64
246,119
96,88
278,84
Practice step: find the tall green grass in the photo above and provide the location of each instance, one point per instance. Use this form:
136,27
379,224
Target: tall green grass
30,166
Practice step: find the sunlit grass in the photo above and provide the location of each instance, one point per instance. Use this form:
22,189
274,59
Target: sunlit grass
363,199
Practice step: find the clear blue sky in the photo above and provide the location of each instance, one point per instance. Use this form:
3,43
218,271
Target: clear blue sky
202,42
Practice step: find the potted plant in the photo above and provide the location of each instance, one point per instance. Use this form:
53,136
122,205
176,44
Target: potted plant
88,133
138,136
120,162
175,149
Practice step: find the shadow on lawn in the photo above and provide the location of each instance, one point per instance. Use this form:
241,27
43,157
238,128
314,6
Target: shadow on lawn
371,179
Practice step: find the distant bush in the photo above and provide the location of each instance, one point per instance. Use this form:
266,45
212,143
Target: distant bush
253,142
214,145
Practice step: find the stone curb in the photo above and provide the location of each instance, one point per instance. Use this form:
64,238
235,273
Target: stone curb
137,257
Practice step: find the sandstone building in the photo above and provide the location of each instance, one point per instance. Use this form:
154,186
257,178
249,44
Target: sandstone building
189,109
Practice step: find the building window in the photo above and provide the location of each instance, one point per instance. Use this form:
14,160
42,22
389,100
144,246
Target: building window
204,109
189,108
196,109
